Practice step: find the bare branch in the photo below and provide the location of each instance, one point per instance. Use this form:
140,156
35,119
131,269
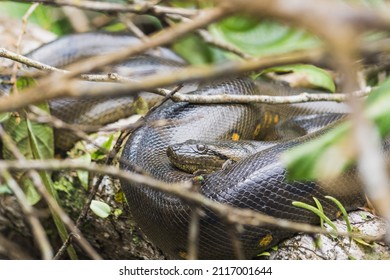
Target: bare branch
231,214
36,227
99,6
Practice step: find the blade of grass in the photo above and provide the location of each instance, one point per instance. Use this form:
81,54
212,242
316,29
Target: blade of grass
319,206
46,179
342,209
315,211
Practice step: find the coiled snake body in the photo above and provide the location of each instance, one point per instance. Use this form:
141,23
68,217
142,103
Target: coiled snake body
258,182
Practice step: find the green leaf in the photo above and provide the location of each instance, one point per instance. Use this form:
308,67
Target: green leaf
35,141
21,131
116,27
25,82
330,154
101,209
47,17
118,212
263,37
315,211
320,208
306,75
40,152
141,106
264,254
63,185
82,174
4,189
315,159
16,127
194,50
107,146
362,242
342,209
4,116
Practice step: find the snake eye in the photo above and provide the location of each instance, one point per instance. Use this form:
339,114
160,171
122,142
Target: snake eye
201,148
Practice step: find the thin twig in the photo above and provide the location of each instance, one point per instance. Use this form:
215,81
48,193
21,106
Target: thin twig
232,214
48,90
25,18
53,204
99,6
38,230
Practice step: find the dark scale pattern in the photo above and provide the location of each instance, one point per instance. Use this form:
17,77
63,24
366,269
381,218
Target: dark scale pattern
99,111
256,182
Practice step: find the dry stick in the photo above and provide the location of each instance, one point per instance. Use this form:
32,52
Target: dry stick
36,227
193,234
127,20
38,231
208,38
341,32
313,14
234,231
15,67
53,204
161,38
58,85
73,229
41,116
28,61
267,99
99,6
47,90
198,99
181,190
77,18
13,250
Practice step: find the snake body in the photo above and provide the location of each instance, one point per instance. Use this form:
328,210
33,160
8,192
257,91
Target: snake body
257,182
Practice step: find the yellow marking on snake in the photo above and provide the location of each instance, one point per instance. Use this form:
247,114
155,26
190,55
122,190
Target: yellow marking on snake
235,136
257,131
266,119
276,118
266,240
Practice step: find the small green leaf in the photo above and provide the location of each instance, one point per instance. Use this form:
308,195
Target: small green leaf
4,116
116,27
101,209
331,153
342,209
25,82
306,75
141,106
364,215
313,159
63,185
4,189
258,38
320,208
264,254
107,146
362,242
118,212
29,189
82,174
315,211
194,50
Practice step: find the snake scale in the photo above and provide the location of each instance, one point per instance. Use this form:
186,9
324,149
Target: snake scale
257,182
